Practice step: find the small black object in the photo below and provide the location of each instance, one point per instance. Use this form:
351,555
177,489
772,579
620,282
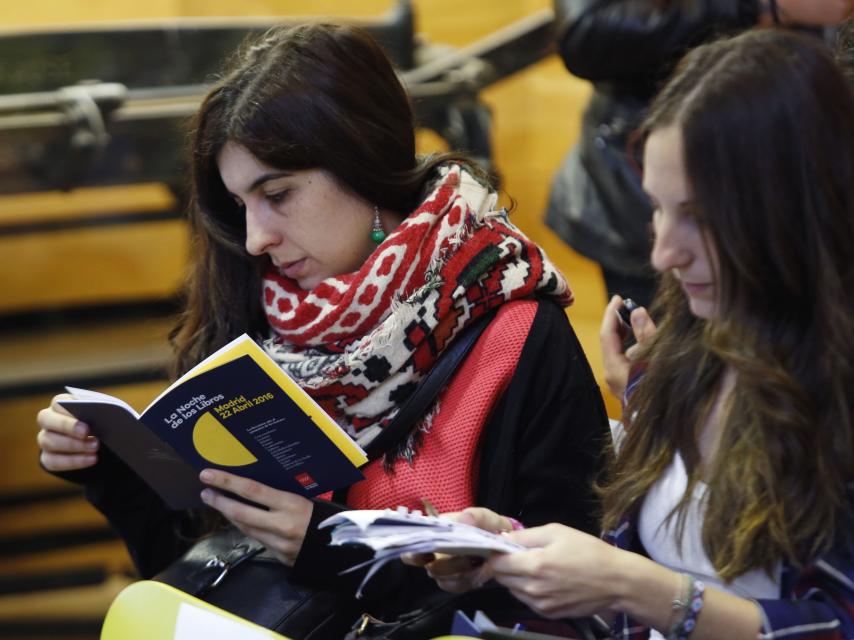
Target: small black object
624,313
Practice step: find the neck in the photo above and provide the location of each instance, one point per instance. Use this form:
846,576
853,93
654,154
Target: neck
711,429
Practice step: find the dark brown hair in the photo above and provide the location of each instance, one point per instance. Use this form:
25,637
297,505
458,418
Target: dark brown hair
311,96
768,138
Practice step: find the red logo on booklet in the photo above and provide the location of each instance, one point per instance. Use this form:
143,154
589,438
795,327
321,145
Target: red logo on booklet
306,480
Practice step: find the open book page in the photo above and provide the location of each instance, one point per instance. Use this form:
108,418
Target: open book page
86,394
393,532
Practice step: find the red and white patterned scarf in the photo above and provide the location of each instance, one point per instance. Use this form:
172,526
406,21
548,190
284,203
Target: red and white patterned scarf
360,342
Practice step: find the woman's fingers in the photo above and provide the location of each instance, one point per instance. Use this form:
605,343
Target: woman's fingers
610,329
64,441
457,574
642,325
616,364
445,566
284,514
67,462
279,522
244,487
417,559
56,418
482,518
56,442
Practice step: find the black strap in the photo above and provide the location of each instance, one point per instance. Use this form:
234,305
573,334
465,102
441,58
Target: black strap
428,389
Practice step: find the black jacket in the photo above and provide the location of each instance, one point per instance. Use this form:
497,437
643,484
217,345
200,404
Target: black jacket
626,48
629,46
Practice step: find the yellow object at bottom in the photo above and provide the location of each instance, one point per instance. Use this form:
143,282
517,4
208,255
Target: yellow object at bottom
150,610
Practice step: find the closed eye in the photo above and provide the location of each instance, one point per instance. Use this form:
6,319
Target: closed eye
277,197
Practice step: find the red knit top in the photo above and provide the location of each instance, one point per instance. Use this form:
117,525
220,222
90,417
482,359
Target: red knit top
446,466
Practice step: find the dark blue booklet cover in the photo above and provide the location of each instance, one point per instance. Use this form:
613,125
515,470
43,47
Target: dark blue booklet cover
237,411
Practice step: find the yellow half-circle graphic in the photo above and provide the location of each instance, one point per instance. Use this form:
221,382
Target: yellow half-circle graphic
215,443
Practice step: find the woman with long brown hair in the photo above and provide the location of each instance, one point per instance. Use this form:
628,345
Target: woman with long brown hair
319,231
626,49
728,502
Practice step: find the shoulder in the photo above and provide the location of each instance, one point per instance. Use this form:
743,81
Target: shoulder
528,313
550,354
536,325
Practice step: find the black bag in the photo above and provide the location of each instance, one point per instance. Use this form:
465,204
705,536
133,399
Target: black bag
435,619
596,201
236,573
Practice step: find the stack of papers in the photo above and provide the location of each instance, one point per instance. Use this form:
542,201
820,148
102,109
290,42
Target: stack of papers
393,532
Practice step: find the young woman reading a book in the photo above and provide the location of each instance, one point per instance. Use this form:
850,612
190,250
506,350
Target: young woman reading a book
737,463
319,232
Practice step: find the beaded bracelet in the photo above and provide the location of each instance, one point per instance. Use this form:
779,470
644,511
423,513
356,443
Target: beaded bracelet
679,603
683,629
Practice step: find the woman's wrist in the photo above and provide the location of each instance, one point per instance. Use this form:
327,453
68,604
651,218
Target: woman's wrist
646,591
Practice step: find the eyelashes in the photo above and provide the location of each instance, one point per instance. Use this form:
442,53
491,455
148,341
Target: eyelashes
277,197
274,198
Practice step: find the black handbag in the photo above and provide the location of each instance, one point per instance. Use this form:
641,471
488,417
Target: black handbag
236,573
434,619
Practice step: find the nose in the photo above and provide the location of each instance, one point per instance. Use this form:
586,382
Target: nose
260,234
670,249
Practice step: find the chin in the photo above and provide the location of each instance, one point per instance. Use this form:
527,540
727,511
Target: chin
306,284
309,282
703,309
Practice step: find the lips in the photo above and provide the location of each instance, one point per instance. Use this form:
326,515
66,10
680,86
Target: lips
695,288
292,269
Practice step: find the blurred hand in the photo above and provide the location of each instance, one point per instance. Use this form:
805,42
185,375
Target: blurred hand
818,13
64,441
281,527
456,574
617,362
566,573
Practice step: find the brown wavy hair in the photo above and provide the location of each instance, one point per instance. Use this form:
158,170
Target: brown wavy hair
310,96
768,138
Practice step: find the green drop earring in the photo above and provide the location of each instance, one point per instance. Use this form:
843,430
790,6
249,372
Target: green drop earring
377,233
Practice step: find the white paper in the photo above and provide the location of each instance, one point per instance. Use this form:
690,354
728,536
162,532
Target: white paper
391,533
85,395
194,622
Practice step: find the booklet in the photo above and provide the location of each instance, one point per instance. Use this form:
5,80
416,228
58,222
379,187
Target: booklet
393,532
237,411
